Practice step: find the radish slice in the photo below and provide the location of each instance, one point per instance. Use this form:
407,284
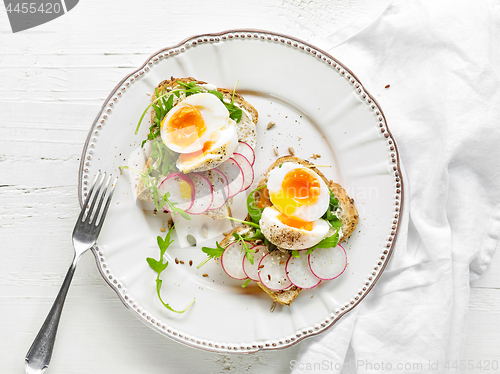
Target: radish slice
232,260
247,151
181,190
246,168
272,273
252,271
234,175
220,187
328,263
203,194
299,273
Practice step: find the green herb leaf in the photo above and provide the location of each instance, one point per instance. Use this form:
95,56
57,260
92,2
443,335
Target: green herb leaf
245,222
254,212
330,214
328,242
187,85
213,252
191,88
235,113
335,222
257,235
244,247
150,179
160,265
246,283
174,209
157,266
217,93
156,102
295,253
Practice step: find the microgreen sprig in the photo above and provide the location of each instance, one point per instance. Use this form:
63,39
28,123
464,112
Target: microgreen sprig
160,265
328,242
245,222
159,199
330,214
254,212
248,251
212,253
246,283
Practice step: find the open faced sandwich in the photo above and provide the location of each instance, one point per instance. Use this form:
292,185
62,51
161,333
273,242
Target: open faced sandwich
199,153
290,239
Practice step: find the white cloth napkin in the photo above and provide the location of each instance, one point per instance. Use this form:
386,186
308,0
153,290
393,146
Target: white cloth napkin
442,62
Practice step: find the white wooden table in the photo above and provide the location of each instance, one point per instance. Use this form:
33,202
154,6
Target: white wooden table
53,80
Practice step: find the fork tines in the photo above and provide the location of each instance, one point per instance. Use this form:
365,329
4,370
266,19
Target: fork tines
91,214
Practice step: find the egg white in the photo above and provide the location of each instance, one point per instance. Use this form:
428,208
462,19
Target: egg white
309,212
213,112
226,141
287,237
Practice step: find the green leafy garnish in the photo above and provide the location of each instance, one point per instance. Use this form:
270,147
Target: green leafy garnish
248,251
174,209
160,265
295,253
245,222
212,253
335,222
254,212
246,283
153,103
330,214
160,200
163,158
190,88
217,93
161,107
163,164
257,235
328,242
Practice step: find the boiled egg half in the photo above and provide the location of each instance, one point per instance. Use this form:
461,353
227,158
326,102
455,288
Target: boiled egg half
300,197
199,128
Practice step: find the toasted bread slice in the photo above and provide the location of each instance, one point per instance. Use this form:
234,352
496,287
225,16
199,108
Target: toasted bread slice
348,215
246,131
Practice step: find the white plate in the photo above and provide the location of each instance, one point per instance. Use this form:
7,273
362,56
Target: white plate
319,107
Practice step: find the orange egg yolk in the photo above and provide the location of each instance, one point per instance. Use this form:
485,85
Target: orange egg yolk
185,126
299,187
294,222
189,157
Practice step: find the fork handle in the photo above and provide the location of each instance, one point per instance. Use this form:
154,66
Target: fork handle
38,356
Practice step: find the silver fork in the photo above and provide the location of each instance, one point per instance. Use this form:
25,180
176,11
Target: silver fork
85,234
